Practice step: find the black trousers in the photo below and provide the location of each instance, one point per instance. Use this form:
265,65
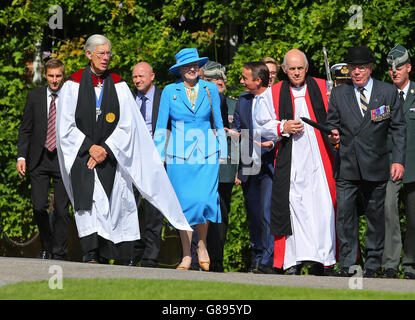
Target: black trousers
45,175
216,235
151,220
347,222
408,260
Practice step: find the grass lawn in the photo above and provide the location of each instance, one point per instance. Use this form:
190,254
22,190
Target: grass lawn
139,289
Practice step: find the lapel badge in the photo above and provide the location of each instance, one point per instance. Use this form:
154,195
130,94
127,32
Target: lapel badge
412,91
174,97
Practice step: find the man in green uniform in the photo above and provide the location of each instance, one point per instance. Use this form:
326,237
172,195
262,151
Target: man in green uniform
215,72
399,69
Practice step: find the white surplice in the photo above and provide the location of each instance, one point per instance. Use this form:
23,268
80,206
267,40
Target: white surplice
138,163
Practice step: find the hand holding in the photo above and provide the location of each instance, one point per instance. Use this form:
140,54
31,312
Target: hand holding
91,163
266,144
334,137
98,153
294,127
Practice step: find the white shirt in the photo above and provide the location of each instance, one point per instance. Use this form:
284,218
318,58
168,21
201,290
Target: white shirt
266,118
405,90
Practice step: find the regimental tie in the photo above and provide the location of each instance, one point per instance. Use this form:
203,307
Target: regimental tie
363,101
51,133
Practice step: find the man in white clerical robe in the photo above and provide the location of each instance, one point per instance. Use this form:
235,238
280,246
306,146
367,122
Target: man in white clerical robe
104,149
303,196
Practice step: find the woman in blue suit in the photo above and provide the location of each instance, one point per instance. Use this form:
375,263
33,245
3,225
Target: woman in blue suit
192,150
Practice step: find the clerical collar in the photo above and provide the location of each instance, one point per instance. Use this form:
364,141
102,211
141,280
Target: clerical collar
299,87
98,80
96,74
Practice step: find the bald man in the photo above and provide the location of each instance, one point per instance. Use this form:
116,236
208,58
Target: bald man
147,96
303,191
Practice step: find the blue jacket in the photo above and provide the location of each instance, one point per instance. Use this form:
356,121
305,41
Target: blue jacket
192,136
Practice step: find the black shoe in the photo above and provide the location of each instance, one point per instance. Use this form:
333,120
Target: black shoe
342,272
409,275
370,273
264,269
316,269
148,264
216,266
91,257
103,260
58,257
254,268
328,271
294,270
44,255
132,262
389,273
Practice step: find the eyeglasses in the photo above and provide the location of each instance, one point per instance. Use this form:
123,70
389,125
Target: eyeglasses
101,54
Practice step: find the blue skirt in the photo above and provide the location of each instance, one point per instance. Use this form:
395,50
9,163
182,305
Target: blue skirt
196,186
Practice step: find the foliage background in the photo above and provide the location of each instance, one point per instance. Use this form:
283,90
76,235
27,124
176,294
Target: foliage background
230,32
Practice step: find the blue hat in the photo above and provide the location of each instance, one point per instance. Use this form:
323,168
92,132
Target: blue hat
185,56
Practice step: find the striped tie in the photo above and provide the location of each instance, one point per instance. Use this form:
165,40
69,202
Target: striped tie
51,133
363,101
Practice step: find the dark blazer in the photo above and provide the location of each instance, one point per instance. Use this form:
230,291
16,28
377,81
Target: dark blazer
32,133
156,105
409,115
363,153
228,170
243,120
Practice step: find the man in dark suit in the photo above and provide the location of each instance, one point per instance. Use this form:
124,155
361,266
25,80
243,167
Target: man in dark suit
147,96
399,70
361,114
36,149
214,72
256,166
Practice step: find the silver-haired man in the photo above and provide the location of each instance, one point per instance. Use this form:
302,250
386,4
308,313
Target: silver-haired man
104,149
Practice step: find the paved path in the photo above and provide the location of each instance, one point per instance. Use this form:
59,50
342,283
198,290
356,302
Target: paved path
24,269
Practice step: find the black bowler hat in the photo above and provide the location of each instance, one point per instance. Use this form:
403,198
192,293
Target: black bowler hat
359,55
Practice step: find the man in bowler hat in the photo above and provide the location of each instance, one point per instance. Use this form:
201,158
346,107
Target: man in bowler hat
360,115
399,70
